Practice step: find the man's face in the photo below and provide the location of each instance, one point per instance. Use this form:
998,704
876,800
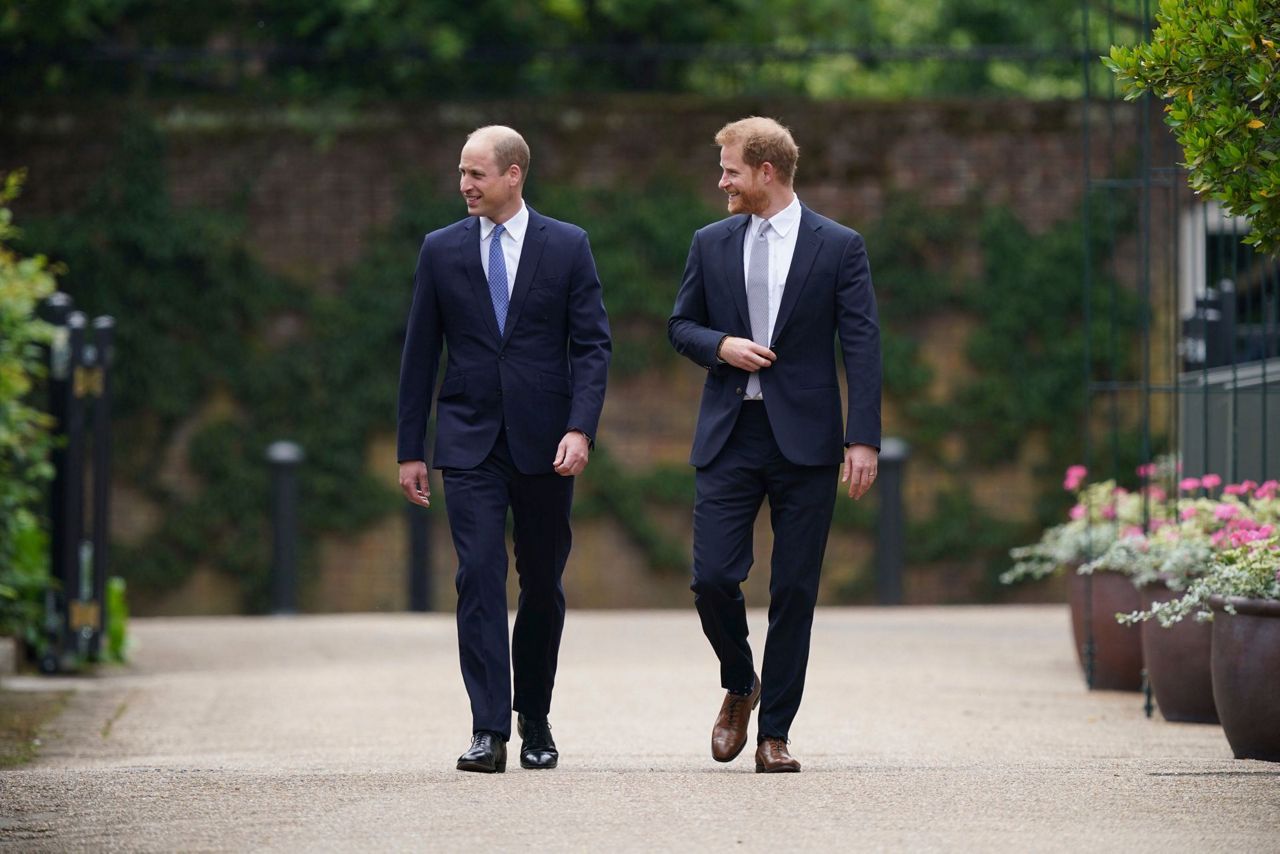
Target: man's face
488,190
744,185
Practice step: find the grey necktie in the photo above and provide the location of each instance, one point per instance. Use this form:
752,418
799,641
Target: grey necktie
758,297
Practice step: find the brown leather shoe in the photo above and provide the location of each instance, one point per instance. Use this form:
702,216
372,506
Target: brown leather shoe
772,757
729,735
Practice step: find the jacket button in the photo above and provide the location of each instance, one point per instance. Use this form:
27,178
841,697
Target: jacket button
737,391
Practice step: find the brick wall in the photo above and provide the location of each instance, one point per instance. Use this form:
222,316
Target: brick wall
313,185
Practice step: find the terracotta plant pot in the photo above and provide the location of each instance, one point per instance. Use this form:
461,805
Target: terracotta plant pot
1246,675
1117,662
1177,660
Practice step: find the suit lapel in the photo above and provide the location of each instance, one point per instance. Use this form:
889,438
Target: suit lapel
535,238
807,243
732,263
469,246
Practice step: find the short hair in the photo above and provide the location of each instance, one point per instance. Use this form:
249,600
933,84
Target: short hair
763,140
509,147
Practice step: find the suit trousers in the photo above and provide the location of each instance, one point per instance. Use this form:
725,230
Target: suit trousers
728,494
477,500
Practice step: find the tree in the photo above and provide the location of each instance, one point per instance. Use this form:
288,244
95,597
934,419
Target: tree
1217,63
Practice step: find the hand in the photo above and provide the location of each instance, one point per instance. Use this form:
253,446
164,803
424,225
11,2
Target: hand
414,483
746,354
571,456
859,469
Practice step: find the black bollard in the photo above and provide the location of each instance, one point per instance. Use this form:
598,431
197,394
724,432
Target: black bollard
892,527
55,310
284,458
72,551
419,522
104,343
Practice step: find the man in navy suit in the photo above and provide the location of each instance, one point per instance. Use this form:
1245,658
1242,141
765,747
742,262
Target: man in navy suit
515,297
766,294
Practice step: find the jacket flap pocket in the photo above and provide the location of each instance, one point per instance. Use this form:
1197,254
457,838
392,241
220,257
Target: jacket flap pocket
556,384
453,386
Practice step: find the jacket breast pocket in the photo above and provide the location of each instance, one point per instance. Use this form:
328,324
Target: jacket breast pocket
541,282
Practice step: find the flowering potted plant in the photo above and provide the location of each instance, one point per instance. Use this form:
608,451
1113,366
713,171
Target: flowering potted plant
1176,547
1101,513
1238,590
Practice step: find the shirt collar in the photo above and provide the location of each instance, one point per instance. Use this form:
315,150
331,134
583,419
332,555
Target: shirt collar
515,226
783,221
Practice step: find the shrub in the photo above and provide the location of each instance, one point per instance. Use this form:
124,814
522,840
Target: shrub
25,440
1218,65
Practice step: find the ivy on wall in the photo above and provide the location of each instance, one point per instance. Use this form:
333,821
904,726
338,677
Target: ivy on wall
201,321
219,357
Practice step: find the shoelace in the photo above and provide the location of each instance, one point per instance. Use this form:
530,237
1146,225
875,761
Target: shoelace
735,707
537,733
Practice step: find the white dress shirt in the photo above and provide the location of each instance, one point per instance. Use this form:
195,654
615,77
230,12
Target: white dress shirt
782,246
512,243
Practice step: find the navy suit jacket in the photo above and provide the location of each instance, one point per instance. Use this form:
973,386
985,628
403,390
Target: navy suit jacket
828,295
545,375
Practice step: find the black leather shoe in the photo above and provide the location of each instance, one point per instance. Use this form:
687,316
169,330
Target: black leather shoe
487,754
537,747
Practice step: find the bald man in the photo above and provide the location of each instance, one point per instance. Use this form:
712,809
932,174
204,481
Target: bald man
515,297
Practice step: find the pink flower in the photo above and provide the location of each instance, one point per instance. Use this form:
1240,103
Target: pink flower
1157,524
1267,530
1156,493
1210,481
1187,513
1267,490
1147,471
1189,484
1225,511
1077,512
1234,489
1109,512
1131,531
1075,477
1242,538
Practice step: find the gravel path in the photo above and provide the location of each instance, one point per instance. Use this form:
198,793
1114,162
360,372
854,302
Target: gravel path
922,729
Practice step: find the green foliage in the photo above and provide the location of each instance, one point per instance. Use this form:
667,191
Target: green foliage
114,646
210,342
1029,351
344,49
640,241
213,348
25,441
1218,65
217,357
627,498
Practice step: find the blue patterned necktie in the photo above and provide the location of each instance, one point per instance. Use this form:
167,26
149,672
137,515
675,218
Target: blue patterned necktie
498,278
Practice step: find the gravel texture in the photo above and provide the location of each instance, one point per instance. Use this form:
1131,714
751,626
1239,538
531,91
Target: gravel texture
945,729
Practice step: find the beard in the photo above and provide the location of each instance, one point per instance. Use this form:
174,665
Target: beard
749,201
